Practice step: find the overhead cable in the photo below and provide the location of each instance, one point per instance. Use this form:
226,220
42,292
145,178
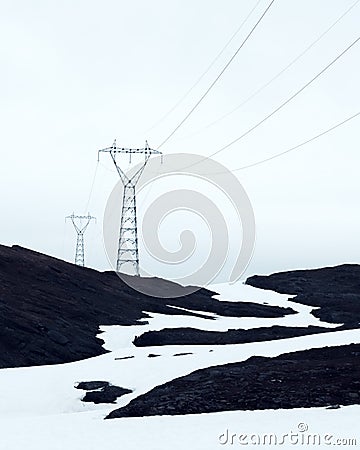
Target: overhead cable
218,77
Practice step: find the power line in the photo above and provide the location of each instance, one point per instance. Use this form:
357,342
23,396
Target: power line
275,77
207,69
286,101
218,77
92,187
277,155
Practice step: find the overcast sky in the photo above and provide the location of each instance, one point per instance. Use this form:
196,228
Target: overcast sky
77,74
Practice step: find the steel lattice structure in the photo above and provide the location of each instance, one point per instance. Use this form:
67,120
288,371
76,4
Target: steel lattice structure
128,248
80,228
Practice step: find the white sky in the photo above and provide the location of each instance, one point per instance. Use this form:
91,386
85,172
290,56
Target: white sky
76,74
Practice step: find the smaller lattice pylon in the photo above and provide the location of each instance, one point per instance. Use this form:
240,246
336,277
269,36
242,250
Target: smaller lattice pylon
80,224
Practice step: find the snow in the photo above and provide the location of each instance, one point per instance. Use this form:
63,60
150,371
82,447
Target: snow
39,407
87,431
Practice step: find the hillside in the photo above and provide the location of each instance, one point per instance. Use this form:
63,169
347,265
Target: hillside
51,310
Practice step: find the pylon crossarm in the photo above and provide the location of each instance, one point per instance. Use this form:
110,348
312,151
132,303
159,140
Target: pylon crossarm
147,150
73,216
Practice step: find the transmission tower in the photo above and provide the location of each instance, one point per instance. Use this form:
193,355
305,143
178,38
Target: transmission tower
80,224
128,249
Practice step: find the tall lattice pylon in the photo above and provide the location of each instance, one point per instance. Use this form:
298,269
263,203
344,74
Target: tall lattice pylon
128,248
80,224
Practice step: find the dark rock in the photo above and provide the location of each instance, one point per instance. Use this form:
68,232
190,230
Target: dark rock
91,385
292,380
192,336
153,355
107,394
336,290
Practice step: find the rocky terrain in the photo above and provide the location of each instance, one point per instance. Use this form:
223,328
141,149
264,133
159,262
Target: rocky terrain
327,376
334,290
193,336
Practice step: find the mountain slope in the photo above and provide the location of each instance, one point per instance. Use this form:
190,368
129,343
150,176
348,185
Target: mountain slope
51,310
